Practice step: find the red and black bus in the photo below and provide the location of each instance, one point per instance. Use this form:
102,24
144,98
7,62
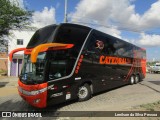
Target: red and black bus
69,61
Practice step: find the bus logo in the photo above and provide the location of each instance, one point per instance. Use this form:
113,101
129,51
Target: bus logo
99,44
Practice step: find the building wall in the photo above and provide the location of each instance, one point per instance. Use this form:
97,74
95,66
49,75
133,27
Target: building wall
3,61
14,67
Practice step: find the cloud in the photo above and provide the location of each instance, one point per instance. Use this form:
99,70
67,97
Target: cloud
149,40
151,17
112,31
120,13
19,3
44,17
145,40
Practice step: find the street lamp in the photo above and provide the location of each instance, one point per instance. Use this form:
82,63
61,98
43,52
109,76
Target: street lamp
65,12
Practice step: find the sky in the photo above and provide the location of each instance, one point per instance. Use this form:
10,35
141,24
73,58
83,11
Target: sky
136,21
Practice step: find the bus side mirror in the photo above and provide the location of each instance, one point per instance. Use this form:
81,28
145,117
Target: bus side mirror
14,51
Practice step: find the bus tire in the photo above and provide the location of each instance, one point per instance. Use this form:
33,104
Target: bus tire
132,80
137,79
84,92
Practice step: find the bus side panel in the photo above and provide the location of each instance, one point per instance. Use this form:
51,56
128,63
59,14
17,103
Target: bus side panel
90,72
103,77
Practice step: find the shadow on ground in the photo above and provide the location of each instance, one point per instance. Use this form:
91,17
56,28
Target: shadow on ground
3,84
155,82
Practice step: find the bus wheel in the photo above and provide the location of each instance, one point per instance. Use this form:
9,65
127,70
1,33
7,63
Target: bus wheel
137,79
132,80
84,92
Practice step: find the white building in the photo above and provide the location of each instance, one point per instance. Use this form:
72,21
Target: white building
17,39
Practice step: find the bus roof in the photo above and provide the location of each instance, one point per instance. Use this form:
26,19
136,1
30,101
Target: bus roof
46,34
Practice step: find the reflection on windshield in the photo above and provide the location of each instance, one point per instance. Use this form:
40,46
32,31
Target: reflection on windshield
58,63
57,69
33,72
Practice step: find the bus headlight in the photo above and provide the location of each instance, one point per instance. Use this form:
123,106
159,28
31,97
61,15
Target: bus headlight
35,92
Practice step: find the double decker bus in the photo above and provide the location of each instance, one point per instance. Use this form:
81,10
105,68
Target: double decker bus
69,61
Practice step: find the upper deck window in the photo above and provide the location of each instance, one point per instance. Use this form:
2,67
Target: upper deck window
41,36
72,34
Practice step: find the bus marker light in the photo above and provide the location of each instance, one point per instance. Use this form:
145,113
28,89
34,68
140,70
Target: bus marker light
76,71
77,68
80,60
79,63
82,56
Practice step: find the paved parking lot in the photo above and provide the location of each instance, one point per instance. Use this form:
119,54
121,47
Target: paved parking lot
122,99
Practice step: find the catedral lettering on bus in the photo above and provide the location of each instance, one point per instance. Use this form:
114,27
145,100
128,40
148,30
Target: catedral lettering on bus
114,60
69,61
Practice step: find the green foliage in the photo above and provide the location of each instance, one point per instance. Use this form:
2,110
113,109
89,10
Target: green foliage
152,63
151,106
12,17
2,71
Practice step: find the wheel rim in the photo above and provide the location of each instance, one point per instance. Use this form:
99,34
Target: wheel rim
136,79
83,92
132,79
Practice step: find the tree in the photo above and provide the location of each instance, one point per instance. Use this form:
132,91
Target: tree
12,17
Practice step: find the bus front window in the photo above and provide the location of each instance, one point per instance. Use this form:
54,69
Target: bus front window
33,73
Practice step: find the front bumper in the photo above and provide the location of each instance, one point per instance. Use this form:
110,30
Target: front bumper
37,100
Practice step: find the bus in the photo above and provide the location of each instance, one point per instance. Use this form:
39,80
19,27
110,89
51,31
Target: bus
72,62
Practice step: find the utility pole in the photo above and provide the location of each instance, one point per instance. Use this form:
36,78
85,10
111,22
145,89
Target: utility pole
65,12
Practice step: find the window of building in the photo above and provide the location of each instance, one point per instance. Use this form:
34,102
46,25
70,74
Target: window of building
19,41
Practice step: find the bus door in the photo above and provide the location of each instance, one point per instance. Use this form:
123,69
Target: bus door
59,66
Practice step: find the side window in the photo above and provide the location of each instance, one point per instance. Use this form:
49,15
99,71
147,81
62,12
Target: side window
58,64
129,50
110,47
57,69
106,42
91,45
96,46
122,48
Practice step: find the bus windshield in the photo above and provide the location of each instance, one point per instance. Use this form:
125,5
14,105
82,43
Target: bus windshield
56,65
33,73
